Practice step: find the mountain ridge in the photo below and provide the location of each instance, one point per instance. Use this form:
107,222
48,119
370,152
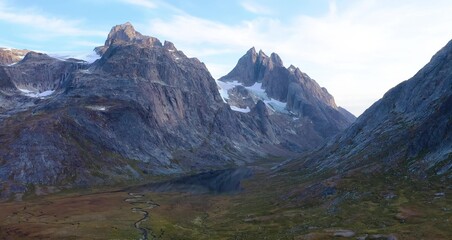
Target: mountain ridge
408,128
303,97
143,109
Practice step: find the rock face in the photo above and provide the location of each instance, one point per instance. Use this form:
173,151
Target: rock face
295,93
35,76
39,72
409,129
143,108
10,56
125,34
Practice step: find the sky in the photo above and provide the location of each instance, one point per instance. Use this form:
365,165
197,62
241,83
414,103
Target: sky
357,49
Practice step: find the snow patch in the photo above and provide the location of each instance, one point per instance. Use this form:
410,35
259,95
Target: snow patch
273,104
224,87
33,94
256,90
243,110
87,57
97,108
276,105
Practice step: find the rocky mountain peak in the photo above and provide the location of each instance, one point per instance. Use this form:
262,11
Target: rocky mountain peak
251,51
124,34
276,60
10,56
293,90
262,54
169,46
30,56
251,67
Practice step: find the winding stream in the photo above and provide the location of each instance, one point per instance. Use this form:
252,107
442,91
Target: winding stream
212,182
137,199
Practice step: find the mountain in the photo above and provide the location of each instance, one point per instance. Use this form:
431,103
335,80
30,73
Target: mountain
10,56
409,130
140,109
287,91
143,109
125,34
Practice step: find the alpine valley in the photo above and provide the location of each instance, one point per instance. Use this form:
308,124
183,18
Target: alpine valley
143,143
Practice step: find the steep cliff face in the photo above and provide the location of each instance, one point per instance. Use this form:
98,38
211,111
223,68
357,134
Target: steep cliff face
36,76
38,72
143,108
409,128
287,91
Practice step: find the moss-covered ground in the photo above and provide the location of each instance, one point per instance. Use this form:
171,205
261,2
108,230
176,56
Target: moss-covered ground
281,205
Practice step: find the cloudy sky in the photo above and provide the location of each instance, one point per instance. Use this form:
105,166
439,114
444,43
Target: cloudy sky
356,49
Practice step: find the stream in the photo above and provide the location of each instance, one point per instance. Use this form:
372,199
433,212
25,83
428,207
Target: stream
211,182
137,199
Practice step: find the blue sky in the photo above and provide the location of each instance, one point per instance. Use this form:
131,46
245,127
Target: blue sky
357,49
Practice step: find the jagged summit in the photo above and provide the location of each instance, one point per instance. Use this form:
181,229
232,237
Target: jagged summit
289,91
275,59
252,66
124,34
292,68
252,50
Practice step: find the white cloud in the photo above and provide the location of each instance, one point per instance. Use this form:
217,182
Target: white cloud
357,51
155,4
255,7
46,24
85,43
142,3
194,30
333,7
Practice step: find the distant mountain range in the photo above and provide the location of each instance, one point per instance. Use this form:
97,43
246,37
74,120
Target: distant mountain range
144,108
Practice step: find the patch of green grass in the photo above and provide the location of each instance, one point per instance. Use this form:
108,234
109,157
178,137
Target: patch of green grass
271,208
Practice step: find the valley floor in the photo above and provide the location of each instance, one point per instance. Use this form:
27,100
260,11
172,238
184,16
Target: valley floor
270,206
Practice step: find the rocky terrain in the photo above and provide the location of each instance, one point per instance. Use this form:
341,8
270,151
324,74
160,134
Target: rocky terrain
288,92
10,56
408,130
143,109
